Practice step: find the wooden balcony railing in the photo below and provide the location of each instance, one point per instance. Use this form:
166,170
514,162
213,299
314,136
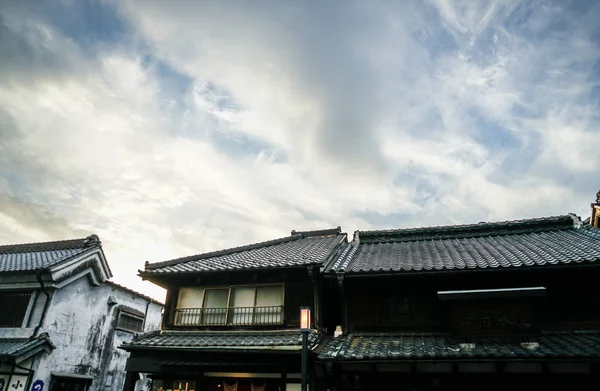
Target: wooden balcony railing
230,316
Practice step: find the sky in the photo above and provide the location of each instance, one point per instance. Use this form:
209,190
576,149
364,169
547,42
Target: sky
171,128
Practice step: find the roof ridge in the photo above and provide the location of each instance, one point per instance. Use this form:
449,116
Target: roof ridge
89,241
550,223
147,334
337,261
227,251
320,232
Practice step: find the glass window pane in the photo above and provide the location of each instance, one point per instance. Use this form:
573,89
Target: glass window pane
190,298
242,297
269,300
269,295
216,298
215,306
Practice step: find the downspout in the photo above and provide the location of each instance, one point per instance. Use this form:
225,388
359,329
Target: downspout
38,276
315,293
145,316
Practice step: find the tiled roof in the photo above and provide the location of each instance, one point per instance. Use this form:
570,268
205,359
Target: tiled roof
15,347
133,292
221,340
384,346
299,249
36,256
521,243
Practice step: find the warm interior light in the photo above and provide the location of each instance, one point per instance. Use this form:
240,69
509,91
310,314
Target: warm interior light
305,318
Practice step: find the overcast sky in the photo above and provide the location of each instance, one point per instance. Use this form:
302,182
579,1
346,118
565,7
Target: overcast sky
174,128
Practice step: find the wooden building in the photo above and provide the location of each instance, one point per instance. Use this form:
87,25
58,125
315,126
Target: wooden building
232,316
493,306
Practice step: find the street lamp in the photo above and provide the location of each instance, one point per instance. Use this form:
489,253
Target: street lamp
305,329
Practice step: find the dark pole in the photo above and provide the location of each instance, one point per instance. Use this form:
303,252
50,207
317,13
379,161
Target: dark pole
304,359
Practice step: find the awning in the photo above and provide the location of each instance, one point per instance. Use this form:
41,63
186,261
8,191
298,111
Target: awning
72,375
19,349
371,347
271,340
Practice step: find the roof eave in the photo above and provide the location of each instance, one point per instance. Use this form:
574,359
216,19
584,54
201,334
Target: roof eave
215,349
145,275
466,359
380,273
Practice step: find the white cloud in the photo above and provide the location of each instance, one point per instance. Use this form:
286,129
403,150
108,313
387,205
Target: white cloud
291,116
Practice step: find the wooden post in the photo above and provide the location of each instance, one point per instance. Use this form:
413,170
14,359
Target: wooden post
130,380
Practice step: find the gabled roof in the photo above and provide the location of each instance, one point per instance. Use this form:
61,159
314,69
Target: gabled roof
439,347
219,340
39,256
510,244
302,248
133,292
14,348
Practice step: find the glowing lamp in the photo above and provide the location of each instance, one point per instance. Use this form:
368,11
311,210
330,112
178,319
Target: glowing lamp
305,318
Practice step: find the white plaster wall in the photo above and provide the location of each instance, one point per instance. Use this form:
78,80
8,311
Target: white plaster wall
114,377
81,323
38,308
154,317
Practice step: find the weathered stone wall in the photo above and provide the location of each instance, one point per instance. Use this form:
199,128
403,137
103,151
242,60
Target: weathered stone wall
81,323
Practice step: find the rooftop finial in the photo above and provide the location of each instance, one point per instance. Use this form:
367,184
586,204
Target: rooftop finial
595,218
91,241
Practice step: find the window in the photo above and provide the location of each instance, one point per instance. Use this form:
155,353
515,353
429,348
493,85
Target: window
60,383
130,322
14,308
235,305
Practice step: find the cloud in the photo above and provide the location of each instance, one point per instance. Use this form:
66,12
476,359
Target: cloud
172,129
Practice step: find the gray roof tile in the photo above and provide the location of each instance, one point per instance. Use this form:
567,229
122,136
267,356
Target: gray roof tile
220,340
521,243
405,346
299,249
37,256
15,347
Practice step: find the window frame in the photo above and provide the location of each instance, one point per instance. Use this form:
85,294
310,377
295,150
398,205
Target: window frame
28,309
124,312
228,308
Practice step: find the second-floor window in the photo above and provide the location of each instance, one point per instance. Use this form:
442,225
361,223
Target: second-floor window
234,306
130,322
14,308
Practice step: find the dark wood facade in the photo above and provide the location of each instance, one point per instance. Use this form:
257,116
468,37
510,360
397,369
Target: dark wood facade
410,302
407,303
